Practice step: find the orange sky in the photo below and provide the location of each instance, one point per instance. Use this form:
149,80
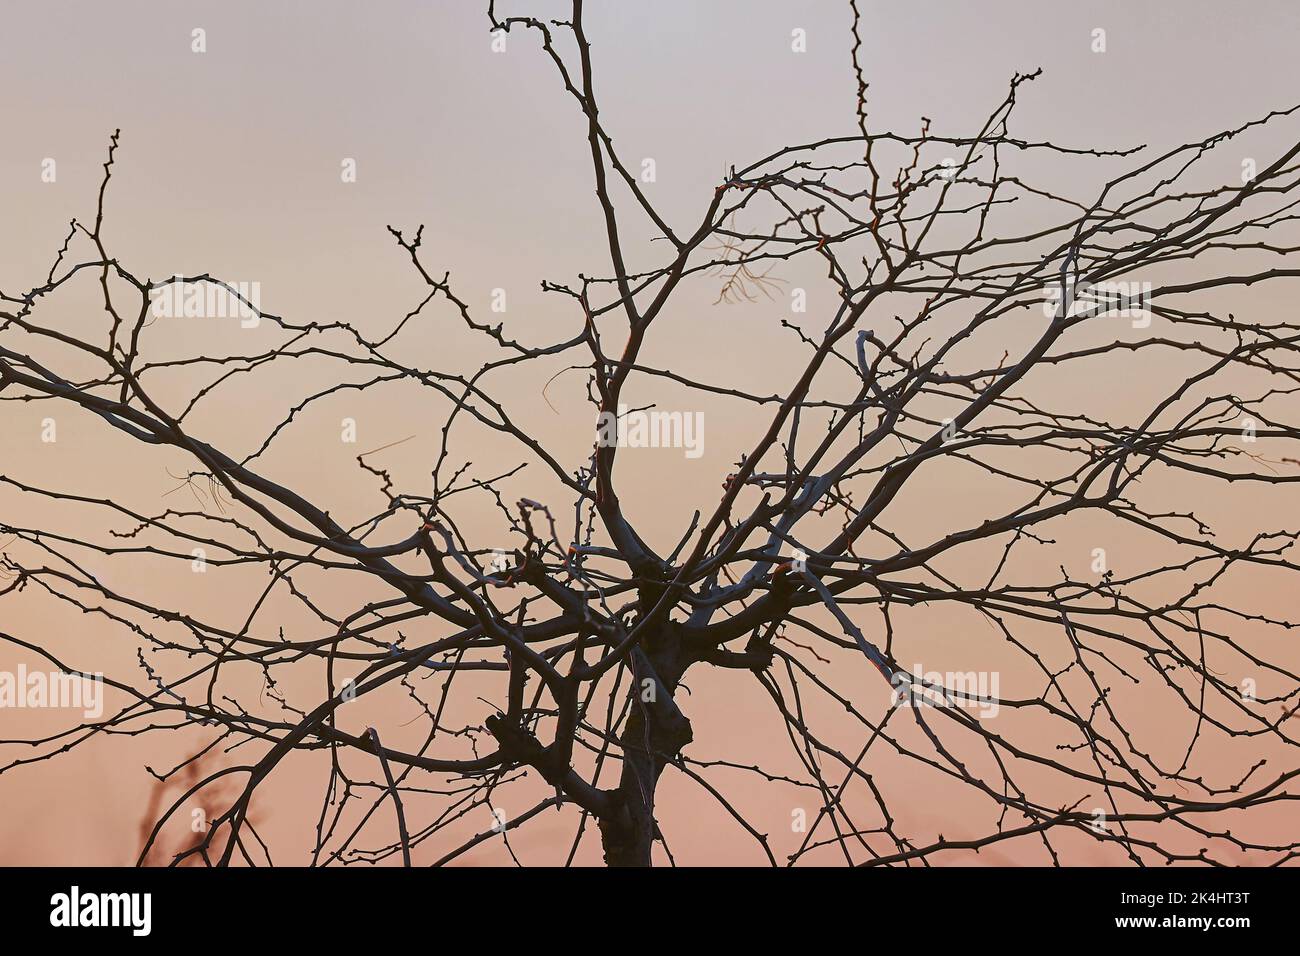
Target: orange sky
230,164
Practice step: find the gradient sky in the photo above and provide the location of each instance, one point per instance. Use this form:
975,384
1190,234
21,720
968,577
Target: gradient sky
230,160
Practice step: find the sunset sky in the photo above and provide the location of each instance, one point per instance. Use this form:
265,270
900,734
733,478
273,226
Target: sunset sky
230,163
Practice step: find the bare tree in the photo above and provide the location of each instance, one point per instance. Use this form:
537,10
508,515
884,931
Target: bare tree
793,568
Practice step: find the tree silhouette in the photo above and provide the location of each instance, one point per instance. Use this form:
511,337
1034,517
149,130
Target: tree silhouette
577,637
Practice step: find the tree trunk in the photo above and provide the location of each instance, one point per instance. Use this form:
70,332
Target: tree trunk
654,734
